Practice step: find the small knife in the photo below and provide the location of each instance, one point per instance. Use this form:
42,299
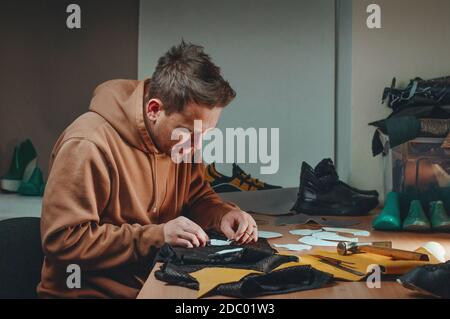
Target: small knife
338,264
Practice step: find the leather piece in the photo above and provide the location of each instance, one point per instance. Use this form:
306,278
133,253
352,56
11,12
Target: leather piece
282,281
418,93
179,273
211,277
179,261
276,202
406,128
251,254
244,274
429,279
309,260
303,219
361,262
420,99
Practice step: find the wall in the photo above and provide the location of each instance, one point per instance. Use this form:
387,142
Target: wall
343,87
413,41
279,57
48,72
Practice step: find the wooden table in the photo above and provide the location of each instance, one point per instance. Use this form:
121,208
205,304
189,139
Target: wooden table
155,289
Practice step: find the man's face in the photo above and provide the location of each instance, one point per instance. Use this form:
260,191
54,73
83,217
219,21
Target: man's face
161,125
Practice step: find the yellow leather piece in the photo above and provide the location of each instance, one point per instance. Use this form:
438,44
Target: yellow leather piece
360,262
388,265
317,264
211,277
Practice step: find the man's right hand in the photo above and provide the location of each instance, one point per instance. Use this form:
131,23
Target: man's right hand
184,232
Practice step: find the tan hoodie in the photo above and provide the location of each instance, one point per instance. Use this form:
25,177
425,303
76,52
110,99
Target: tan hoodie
108,195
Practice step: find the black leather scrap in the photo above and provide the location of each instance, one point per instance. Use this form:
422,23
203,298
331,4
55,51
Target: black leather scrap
250,254
179,262
282,281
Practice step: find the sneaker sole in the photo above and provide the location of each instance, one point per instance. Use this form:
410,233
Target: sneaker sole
413,287
10,185
311,209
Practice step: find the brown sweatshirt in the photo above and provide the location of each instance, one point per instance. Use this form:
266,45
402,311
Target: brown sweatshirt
108,195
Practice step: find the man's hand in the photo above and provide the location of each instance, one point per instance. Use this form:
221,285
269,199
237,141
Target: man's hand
184,232
239,226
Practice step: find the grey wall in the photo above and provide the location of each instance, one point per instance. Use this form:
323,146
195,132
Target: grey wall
48,72
343,87
279,57
414,41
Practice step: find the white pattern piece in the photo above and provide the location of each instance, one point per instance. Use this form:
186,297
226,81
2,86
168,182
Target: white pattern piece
312,241
294,247
333,237
354,232
219,242
304,232
268,234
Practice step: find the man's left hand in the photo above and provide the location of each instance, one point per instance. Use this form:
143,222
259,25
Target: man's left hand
239,226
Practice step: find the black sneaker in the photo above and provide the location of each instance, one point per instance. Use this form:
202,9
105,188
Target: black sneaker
430,280
240,181
325,196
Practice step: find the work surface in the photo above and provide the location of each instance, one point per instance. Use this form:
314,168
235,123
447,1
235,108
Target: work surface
155,289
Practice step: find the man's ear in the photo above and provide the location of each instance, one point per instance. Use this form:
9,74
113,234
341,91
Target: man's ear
153,108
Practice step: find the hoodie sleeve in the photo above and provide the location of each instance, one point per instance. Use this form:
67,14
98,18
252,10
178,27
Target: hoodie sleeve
206,208
77,192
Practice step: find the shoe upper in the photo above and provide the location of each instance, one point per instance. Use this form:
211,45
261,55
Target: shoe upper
24,171
328,192
34,186
433,279
23,154
327,169
239,181
247,178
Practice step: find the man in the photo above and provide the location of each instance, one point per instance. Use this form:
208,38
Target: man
114,195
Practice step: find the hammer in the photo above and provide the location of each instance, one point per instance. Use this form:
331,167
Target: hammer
379,248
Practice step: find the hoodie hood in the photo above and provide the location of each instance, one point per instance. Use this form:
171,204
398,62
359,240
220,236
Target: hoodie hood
120,103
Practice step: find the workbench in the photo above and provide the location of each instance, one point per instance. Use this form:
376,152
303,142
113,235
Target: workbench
155,289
